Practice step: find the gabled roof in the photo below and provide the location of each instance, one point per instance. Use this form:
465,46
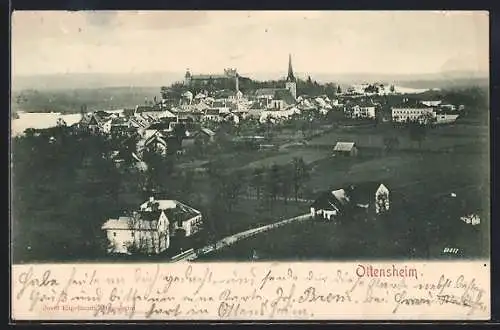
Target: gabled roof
212,112
174,210
207,131
143,221
363,193
120,121
257,106
265,91
224,93
329,201
412,105
365,103
156,138
94,120
344,146
219,104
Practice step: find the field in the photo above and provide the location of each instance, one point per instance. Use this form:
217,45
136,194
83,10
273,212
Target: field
424,218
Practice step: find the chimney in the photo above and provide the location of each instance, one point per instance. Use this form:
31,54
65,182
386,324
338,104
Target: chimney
151,199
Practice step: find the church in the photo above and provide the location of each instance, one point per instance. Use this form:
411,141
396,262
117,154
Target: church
280,98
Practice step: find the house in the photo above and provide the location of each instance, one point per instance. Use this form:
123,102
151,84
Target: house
330,205
412,112
364,110
179,215
205,135
106,126
369,197
212,115
95,123
265,93
277,115
448,107
225,94
120,124
152,111
282,99
232,117
138,122
445,118
146,232
222,106
306,104
345,149
156,143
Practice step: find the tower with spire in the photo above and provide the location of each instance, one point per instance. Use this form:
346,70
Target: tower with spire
291,83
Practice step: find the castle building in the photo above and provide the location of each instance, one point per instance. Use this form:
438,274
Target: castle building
291,82
205,79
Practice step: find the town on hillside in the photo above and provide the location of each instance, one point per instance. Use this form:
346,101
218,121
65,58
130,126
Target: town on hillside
219,166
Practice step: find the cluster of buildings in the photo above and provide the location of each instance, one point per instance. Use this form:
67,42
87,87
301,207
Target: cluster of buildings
427,111
368,197
157,127
149,229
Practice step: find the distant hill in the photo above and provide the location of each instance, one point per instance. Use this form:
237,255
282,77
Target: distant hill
157,79
94,80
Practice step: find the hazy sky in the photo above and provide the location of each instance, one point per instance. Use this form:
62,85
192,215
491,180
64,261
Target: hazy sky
209,41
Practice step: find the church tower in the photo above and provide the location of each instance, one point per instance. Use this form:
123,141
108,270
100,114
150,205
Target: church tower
291,83
187,78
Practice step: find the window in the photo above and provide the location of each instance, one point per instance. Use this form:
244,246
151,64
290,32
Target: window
114,234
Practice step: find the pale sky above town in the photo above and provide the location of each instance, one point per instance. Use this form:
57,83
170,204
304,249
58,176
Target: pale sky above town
208,41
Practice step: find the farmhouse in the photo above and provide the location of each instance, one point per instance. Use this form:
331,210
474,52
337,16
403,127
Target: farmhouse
345,149
149,229
146,232
330,205
180,215
372,197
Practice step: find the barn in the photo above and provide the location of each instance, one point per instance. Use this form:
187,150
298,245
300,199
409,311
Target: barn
345,149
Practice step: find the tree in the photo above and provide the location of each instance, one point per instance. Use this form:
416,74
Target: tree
272,183
418,133
285,182
228,190
187,184
257,180
391,142
198,145
339,90
300,174
392,89
179,132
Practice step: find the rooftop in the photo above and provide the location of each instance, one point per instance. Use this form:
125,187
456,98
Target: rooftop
344,146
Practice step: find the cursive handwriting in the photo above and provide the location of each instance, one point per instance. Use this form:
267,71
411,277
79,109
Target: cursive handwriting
192,291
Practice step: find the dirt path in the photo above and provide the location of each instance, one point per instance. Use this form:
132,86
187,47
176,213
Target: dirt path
230,240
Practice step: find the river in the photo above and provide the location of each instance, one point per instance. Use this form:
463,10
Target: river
40,120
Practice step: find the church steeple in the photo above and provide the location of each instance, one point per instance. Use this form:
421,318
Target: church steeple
290,77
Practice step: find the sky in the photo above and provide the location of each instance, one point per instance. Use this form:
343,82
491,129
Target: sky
410,42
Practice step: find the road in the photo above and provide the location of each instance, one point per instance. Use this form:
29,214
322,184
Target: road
230,240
